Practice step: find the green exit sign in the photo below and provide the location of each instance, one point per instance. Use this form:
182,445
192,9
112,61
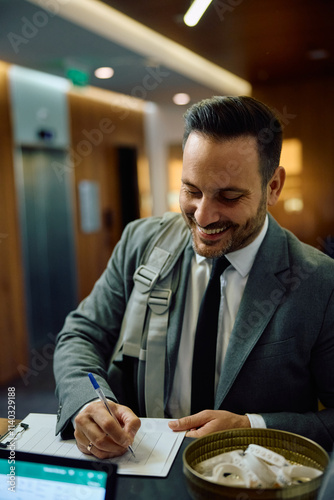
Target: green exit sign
78,76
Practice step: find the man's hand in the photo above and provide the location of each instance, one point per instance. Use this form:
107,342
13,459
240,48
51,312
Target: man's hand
207,421
95,425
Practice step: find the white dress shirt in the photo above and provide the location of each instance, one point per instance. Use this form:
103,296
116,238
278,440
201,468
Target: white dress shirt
233,282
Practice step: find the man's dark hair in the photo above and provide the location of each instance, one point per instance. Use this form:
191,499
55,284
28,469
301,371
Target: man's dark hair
225,118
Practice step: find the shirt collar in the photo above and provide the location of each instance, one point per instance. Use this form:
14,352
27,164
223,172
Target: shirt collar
242,260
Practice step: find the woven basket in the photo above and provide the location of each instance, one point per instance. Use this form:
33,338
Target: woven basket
295,448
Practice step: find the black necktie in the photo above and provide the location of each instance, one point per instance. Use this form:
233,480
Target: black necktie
204,358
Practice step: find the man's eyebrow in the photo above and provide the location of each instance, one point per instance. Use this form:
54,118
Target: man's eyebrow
186,182
234,189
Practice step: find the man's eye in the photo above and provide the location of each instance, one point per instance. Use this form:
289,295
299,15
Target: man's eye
230,199
193,192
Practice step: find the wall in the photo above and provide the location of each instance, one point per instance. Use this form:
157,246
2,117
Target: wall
100,123
307,108
163,128
13,331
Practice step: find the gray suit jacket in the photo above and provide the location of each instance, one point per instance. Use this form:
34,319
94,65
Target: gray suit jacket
280,358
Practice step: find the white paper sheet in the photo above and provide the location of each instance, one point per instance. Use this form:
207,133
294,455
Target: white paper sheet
155,445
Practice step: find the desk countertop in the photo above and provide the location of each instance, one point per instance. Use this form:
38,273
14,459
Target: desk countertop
149,488
146,488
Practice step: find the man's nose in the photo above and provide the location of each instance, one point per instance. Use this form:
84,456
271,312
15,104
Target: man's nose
207,212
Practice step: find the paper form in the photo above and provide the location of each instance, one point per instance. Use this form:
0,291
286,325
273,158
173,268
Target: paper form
155,445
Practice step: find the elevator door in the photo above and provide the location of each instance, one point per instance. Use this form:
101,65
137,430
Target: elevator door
47,239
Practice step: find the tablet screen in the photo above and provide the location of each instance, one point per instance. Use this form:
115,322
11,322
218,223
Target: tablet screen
26,476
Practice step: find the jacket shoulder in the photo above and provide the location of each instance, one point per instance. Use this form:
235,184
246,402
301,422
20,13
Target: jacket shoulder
285,244
143,230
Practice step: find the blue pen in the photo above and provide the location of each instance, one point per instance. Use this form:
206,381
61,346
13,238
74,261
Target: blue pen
102,397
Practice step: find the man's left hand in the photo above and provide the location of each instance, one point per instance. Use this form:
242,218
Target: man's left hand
207,421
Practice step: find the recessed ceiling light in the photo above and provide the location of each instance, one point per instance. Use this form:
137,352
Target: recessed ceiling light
181,99
318,54
104,72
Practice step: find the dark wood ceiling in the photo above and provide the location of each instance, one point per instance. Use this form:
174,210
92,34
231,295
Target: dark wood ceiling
259,40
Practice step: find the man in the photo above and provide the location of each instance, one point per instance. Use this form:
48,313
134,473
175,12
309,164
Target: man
273,332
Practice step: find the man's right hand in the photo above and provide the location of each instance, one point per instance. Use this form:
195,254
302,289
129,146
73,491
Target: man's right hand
97,433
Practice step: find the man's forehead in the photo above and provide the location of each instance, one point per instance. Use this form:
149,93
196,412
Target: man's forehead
241,149
231,162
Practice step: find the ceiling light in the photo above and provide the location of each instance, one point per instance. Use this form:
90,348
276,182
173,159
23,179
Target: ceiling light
107,22
104,72
318,54
181,99
196,11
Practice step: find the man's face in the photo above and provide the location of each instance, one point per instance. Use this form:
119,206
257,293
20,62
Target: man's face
222,199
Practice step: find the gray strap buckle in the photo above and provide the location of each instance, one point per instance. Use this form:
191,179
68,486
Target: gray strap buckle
159,300
145,278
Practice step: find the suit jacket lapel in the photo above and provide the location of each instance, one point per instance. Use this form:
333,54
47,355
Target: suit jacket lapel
262,294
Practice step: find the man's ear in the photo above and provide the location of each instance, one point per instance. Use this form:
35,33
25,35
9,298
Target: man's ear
275,186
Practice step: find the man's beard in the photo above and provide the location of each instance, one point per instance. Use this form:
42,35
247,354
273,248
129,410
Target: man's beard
239,237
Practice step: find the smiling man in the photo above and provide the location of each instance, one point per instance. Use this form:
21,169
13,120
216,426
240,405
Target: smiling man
222,197
218,318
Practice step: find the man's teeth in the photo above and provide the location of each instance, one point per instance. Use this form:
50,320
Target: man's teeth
212,231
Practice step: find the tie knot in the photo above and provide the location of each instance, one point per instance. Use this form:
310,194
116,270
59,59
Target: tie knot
219,265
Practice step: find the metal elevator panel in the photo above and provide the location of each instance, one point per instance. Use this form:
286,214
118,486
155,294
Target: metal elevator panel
47,239
44,178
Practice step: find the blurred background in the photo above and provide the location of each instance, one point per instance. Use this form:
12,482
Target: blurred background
92,97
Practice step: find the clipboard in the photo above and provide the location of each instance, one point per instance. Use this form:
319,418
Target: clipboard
155,445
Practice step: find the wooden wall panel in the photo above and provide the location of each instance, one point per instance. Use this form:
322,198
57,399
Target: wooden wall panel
13,331
307,108
106,121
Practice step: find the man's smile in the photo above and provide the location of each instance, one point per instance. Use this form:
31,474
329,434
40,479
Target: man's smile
212,231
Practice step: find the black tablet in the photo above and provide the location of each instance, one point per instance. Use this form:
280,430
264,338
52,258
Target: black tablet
30,476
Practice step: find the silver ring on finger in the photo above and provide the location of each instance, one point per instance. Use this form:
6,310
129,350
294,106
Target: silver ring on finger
90,446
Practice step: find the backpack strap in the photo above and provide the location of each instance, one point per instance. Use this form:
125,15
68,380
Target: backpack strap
154,353
145,323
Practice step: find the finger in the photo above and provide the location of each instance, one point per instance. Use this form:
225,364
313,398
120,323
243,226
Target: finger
190,422
128,419
105,431
122,425
96,423
196,433
210,425
91,449
101,448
